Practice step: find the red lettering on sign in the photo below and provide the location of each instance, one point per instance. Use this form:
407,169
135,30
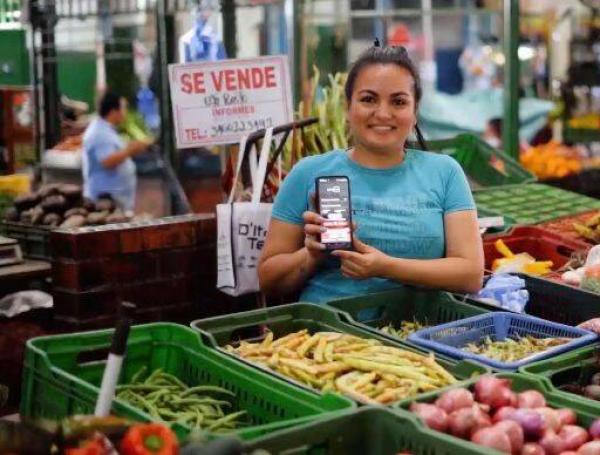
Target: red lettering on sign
217,81
257,78
230,82
199,83
186,83
243,78
193,134
270,77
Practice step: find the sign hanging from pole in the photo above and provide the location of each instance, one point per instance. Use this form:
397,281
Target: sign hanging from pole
219,102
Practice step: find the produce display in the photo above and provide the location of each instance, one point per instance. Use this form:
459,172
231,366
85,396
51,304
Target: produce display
406,328
520,262
167,399
493,415
551,160
63,205
510,350
590,229
363,369
70,144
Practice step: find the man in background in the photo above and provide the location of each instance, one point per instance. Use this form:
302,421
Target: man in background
107,164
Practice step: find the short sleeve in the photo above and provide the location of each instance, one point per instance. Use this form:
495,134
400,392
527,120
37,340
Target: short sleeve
291,200
458,194
103,150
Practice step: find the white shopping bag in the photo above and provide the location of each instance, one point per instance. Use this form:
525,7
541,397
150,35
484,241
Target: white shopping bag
242,228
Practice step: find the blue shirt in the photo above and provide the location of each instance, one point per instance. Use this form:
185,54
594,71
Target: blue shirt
399,210
101,140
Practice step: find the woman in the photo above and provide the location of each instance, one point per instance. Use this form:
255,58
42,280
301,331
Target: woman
415,218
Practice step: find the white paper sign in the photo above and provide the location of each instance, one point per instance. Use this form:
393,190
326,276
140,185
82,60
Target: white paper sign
219,102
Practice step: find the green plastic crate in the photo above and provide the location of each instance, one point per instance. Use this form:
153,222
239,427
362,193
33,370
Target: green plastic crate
62,375
559,370
373,311
531,203
282,320
484,165
368,430
586,414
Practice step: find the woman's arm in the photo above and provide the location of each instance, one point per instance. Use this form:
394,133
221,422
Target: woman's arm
461,270
286,262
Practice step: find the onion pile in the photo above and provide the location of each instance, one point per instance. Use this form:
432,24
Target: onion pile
494,416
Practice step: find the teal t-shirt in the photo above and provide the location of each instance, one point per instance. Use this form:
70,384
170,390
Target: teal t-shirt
398,210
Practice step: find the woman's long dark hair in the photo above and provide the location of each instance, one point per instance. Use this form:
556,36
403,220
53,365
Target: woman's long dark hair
394,55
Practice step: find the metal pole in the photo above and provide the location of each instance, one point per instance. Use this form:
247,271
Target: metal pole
229,28
510,129
166,130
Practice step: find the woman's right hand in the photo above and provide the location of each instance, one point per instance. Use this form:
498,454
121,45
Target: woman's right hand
312,232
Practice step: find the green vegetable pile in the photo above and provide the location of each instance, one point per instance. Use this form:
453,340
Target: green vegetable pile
406,328
166,398
510,350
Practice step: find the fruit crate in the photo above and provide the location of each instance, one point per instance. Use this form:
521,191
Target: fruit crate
34,240
372,430
531,203
543,245
484,165
574,366
552,301
63,374
374,311
449,338
586,413
564,226
586,182
282,320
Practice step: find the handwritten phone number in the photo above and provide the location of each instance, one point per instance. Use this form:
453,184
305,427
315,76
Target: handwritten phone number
241,126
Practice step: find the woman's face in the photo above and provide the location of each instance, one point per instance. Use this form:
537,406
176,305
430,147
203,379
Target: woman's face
381,113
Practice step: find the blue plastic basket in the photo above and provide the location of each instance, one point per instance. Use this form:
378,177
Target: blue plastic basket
449,338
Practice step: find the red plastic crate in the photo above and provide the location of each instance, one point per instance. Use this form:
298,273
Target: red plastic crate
540,243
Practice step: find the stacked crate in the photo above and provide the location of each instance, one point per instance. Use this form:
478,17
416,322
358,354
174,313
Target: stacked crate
165,266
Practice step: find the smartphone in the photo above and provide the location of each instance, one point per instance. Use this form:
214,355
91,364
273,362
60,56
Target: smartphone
332,198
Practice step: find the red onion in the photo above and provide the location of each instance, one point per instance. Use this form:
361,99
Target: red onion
566,416
531,421
455,399
463,422
551,443
590,448
595,429
573,437
532,448
551,418
514,432
433,416
493,438
531,399
493,391
503,413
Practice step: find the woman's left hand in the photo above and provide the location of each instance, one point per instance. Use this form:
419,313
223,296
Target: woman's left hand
364,262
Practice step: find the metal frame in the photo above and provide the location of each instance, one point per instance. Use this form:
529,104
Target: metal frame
45,14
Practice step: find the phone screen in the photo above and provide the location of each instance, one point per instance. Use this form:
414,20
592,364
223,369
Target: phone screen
334,207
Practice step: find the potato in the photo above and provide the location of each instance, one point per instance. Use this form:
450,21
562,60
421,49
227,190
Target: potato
52,219
105,204
54,203
11,214
48,190
97,217
76,211
74,221
37,214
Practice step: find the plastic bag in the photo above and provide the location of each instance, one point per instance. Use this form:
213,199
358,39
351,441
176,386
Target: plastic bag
584,276
505,291
21,302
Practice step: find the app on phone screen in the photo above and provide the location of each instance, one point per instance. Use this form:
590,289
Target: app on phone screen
334,207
